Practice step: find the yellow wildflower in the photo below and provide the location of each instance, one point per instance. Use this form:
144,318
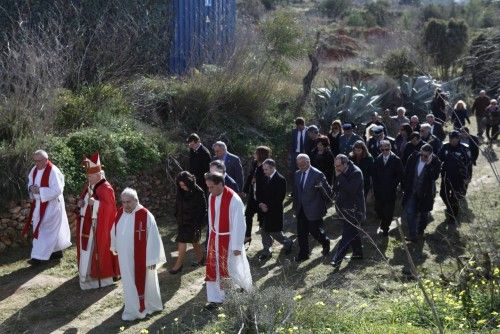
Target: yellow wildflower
297,297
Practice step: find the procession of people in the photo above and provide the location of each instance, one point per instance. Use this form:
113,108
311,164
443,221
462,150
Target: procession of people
339,168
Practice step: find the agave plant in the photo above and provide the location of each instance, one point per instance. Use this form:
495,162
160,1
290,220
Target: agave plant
348,103
417,93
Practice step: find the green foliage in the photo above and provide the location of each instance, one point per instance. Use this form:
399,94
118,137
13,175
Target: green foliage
335,8
432,11
284,38
482,63
398,63
380,10
90,106
356,18
445,41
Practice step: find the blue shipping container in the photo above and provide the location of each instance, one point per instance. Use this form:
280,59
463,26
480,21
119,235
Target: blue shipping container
203,32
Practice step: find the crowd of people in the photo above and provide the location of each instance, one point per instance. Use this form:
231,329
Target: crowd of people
390,157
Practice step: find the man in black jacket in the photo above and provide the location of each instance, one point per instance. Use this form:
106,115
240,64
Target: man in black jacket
374,142
199,159
472,142
436,127
429,138
350,205
419,187
387,174
270,198
454,174
414,144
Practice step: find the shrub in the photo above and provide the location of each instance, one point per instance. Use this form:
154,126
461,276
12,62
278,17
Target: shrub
380,11
398,63
90,106
335,8
356,18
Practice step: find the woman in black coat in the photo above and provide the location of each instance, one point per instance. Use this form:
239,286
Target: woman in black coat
323,159
334,135
190,214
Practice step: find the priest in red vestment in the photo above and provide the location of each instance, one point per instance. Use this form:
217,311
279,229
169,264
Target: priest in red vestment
96,264
136,240
226,264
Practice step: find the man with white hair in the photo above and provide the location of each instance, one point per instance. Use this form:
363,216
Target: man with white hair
400,118
311,192
231,161
429,138
96,264
47,217
436,127
137,242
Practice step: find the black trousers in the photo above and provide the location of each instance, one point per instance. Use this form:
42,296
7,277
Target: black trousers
384,207
350,238
451,193
250,211
306,227
492,131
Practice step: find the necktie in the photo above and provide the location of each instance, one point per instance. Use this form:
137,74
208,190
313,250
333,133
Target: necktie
301,149
303,180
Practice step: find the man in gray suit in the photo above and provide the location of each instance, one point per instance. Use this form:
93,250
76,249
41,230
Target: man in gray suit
231,161
311,191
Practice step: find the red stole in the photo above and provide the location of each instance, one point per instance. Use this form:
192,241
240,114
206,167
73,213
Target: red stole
224,236
140,242
43,205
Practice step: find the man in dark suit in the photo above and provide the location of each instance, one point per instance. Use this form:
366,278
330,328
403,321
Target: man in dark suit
429,138
419,188
387,174
455,169
311,191
231,161
472,142
270,198
350,205
217,166
374,142
300,142
436,127
199,159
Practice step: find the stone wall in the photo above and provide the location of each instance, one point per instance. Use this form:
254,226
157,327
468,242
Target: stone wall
154,190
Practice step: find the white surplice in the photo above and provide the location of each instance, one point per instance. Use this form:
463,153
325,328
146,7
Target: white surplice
54,234
123,243
238,267
86,281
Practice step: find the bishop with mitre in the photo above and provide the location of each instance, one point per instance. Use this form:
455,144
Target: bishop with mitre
226,263
136,240
96,264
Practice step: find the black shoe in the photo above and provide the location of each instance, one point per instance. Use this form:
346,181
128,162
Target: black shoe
116,278
56,255
326,248
200,263
410,239
36,262
288,247
299,259
336,264
212,306
173,272
248,241
264,256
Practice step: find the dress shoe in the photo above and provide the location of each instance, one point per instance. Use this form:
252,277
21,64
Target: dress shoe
264,256
56,255
299,259
212,306
336,264
288,247
326,248
175,271
200,263
36,262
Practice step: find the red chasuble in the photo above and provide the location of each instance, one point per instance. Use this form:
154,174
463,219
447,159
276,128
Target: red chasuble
224,236
140,243
104,263
43,205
